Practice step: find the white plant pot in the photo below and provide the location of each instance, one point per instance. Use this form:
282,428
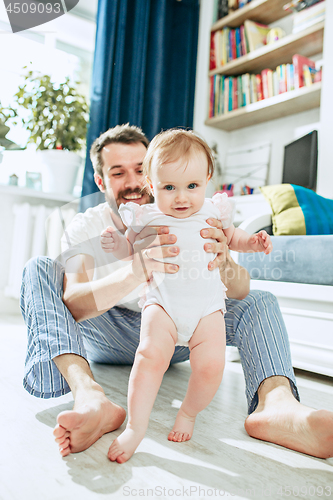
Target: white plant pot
59,170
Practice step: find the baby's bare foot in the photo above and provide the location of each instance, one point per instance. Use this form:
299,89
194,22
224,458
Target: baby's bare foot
124,446
183,428
91,417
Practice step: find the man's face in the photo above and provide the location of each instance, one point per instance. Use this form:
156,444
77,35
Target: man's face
122,174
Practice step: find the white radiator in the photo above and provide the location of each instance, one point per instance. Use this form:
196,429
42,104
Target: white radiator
37,230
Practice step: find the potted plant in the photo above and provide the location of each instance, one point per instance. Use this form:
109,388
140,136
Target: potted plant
57,122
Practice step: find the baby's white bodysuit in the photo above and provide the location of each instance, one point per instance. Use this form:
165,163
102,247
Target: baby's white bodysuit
193,292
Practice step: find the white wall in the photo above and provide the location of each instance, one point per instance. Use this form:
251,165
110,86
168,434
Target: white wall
325,167
279,132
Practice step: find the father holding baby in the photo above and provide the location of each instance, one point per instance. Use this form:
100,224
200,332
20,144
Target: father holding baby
86,308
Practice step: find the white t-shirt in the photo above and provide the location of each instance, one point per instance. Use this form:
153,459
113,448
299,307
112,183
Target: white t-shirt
83,236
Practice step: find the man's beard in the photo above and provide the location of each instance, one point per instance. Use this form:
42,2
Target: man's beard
115,203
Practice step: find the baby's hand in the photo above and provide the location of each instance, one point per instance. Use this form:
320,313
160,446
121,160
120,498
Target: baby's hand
261,242
110,239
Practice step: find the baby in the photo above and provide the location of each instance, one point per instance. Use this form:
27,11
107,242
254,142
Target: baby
185,308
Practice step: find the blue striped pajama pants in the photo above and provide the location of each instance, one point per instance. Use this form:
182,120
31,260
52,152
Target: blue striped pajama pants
254,325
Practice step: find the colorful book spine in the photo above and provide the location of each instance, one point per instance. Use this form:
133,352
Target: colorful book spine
230,103
275,83
243,40
212,60
290,77
270,83
238,43
246,83
307,76
299,62
259,88
211,97
239,92
264,80
226,94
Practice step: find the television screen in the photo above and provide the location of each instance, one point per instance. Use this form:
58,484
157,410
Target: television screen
300,161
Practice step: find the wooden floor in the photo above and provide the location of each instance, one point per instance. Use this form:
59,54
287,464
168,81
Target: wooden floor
220,460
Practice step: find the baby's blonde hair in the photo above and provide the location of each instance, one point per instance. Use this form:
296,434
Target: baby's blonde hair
169,146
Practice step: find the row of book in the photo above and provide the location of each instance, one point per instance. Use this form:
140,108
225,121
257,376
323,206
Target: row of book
228,44
228,93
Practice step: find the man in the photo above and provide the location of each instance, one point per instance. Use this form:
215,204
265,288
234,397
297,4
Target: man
95,299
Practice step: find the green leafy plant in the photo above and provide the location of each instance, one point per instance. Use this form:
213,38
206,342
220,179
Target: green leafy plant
58,113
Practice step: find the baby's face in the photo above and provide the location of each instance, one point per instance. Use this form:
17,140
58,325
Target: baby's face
179,187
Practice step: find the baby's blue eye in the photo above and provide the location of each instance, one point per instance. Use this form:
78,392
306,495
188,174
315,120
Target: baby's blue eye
169,187
192,185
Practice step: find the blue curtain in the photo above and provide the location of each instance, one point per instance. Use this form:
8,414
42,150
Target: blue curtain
144,69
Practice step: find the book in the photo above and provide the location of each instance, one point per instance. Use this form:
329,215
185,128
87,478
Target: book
270,83
275,83
256,34
233,45
230,104
259,88
253,88
238,43
216,92
243,40
234,93
222,94
281,71
212,60
246,89
226,95
290,77
239,92
299,62
307,79
211,97
308,17
264,80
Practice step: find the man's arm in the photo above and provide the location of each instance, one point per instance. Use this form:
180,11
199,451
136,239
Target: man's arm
87,298
235,277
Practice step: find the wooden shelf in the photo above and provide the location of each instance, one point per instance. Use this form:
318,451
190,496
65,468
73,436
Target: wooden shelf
275,107
307,43
262,11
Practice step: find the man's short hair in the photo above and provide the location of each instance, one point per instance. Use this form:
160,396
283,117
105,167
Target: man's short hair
122,134
169,146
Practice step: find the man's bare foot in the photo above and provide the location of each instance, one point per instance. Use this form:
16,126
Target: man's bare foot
92,416
124,446
183,428
282,420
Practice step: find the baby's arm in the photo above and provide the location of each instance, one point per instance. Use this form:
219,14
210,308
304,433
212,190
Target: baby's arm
112,241
240,241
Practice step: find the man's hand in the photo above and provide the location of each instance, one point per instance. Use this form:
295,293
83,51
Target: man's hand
261,242
219,246
149,251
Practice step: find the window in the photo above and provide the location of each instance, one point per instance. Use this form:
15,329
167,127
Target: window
62,47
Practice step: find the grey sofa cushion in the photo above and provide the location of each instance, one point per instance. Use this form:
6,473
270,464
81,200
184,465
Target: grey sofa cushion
297,259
